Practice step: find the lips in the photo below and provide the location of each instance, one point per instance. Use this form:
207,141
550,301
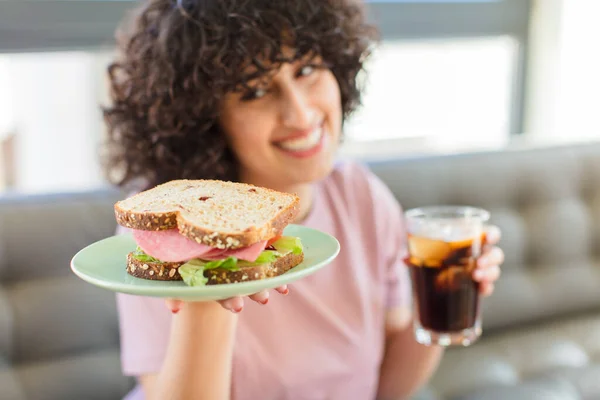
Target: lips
303,141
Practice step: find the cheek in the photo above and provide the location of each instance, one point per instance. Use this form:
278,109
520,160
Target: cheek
247,129
248,134
329,98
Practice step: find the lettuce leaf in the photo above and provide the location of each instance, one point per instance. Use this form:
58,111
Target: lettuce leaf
266,257
283,246
288,244
193,275
229,263
139,254
192,272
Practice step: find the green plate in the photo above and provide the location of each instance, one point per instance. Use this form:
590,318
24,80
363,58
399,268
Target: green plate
103,264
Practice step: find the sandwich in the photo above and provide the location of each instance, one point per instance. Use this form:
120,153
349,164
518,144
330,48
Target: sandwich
208,232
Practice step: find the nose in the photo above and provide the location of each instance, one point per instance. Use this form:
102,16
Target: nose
296,111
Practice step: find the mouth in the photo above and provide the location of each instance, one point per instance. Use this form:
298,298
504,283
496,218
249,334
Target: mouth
305,145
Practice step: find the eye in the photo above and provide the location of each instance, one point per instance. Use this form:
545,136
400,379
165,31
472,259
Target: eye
306,70
254,94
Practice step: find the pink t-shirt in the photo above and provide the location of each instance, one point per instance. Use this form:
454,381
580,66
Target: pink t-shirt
325,340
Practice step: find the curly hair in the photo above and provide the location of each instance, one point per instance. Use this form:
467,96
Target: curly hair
180,57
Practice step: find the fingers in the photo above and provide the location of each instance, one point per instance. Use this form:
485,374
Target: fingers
487,275
488,270
283,289
263,297
260,297
236,304
491,257
174,305
492,234
486,289
233,304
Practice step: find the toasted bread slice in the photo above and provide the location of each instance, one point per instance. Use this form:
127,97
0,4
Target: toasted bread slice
168,271
280,266
225,215
157,271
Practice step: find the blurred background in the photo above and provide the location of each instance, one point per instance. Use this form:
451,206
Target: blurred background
450,76
492,103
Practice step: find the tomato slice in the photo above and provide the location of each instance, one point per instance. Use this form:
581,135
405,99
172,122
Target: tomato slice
273,240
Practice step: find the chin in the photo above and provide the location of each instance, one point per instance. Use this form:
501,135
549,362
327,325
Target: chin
311,174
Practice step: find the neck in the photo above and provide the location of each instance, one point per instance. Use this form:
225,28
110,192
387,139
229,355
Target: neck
304,191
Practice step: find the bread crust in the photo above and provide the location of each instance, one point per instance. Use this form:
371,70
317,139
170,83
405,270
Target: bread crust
280,266
152,270
156,221
162,271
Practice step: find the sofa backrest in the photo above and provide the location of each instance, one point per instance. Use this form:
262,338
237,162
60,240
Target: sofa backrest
547,203
58,335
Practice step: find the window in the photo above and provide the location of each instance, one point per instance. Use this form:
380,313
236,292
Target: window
52,124
443,91
563,76
447,73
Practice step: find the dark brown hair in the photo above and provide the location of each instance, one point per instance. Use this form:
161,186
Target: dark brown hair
180,57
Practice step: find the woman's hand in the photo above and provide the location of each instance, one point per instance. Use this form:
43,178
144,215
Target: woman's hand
233,304
488,271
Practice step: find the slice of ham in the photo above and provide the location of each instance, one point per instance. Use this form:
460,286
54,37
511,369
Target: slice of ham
214,254
171,246
249,253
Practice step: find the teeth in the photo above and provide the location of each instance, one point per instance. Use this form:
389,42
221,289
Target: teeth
304,143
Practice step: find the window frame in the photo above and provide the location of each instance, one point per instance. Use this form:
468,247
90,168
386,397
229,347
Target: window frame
443,19
52,25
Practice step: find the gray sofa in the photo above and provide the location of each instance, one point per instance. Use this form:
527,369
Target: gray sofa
59,335
542,326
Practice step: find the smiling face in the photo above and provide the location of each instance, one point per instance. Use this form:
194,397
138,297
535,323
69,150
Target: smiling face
285,129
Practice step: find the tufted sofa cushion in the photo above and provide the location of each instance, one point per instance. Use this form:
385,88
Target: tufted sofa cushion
58,335
542,325
554,360
547,203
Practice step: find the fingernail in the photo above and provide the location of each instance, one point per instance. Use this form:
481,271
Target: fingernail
286,291
479,274
265,301
175,310
237,310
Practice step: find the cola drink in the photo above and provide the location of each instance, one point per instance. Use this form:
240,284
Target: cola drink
441,273
442,255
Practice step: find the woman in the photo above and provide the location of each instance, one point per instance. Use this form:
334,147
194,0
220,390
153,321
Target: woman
257,91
